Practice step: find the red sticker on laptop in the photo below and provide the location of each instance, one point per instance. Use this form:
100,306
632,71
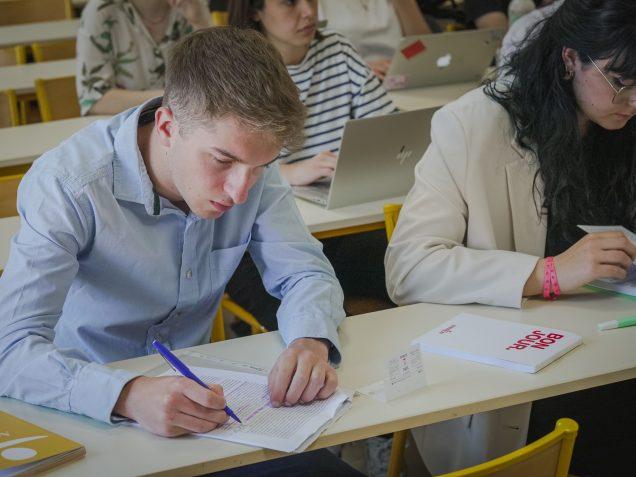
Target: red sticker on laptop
413,49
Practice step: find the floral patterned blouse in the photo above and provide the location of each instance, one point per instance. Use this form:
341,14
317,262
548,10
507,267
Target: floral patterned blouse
115,50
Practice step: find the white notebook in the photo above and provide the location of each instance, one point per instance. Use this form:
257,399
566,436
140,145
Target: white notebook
517,346
287,429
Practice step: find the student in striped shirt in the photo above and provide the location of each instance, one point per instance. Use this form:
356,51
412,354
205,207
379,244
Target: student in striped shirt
335,85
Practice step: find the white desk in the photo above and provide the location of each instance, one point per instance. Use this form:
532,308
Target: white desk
21,78
456,388
27,33
24,144
365,217
9,226
430,96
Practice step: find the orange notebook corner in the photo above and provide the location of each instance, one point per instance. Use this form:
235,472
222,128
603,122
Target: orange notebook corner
27,449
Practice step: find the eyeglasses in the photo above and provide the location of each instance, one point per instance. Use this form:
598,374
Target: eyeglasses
621,95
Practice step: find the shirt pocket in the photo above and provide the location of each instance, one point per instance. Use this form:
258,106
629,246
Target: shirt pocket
224,261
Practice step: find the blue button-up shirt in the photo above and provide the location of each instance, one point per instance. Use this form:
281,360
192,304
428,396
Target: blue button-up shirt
101,266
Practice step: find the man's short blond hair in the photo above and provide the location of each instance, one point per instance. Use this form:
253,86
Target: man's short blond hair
229,72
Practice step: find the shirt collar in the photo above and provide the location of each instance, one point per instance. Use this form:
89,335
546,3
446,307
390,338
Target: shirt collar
131,181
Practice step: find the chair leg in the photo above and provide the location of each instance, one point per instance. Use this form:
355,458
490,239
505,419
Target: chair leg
396,462
218,327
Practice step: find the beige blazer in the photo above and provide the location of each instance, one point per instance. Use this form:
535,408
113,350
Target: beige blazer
469,230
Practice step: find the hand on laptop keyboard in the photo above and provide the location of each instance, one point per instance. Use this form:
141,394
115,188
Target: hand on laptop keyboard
310,170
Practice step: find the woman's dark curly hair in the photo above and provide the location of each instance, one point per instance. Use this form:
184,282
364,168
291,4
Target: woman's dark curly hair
582,174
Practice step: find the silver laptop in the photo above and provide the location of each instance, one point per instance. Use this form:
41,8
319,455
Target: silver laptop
376,160
442,58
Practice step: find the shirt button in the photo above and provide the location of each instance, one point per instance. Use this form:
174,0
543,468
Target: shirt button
189,274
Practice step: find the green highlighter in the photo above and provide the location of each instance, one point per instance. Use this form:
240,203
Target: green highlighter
620,323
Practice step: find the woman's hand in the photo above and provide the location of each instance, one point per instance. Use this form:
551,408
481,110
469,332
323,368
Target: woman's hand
380,67
310,170
595,256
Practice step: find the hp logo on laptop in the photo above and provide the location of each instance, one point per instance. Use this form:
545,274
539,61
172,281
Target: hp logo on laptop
403,155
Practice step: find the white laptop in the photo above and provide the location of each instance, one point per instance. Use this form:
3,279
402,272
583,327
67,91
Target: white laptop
376,160
442,58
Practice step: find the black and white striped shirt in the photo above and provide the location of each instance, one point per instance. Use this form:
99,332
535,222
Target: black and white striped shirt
335,85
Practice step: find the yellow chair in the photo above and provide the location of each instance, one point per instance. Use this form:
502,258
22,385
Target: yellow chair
229,305
54,50
29,11
9,194
9,113
219,18
57,98
549,456
396,461
13,55
391,214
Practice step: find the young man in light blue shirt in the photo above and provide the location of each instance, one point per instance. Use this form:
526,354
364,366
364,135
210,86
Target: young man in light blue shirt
131,228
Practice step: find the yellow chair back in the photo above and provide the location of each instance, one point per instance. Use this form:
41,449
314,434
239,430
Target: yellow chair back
391,214
9,114
219,18
229,305
9,194
28,11
54,50
549,456
57,98
13,55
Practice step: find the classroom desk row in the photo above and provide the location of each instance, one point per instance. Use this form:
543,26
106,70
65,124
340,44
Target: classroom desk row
23,144
21,78
455,387
27,33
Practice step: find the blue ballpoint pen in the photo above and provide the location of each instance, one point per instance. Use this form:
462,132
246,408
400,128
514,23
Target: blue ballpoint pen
180,367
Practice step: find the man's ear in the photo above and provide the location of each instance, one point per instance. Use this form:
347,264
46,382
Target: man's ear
165,125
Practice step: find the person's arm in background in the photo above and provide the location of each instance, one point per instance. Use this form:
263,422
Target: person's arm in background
369,99
411,18
486,13
492,20
196,12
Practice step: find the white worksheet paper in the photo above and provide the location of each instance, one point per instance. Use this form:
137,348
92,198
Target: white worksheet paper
287,429
628,285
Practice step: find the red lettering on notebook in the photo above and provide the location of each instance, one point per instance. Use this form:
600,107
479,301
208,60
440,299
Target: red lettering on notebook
413,49
447,330
536,339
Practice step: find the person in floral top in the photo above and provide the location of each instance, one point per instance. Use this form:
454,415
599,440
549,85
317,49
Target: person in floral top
122,46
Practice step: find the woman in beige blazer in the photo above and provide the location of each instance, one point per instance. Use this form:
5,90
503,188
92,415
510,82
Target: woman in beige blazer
514,167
